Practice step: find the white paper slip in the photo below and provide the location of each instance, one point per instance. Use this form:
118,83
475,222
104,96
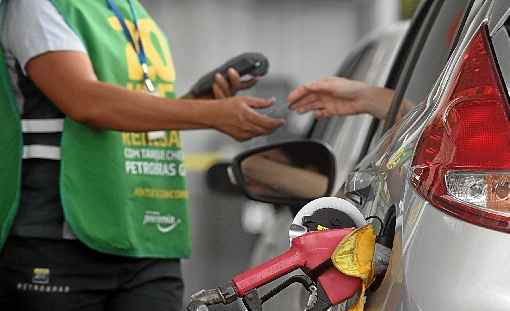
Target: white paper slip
155,135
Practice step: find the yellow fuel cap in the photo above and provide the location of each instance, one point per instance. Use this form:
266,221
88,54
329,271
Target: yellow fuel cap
354,256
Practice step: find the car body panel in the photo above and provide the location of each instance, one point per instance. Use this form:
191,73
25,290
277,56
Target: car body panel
501,43
450,264
499,13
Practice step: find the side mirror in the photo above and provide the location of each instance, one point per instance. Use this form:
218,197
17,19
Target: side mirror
289,173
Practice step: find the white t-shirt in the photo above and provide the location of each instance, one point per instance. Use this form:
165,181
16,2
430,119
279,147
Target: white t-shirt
35,27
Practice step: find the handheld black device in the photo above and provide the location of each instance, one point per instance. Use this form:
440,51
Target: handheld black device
254,64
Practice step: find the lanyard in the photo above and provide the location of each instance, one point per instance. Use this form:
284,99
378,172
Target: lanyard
142,57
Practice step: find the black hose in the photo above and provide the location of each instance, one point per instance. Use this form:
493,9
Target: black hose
305,281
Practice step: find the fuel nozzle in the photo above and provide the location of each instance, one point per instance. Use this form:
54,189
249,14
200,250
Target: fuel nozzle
206,297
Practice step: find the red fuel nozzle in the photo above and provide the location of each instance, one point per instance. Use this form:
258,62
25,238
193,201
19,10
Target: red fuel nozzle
308,252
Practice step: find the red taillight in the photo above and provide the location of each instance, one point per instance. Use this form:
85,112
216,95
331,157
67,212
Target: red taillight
462,162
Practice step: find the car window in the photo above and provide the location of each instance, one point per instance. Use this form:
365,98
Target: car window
333,130
352,64
371,62
356,66
431,56
362,68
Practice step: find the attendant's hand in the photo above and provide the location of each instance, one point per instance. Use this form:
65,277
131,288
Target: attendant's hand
236,117
339,96
224,88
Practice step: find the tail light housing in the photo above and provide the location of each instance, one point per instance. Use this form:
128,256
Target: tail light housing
462,160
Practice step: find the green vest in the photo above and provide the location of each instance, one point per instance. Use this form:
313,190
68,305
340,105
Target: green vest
122,193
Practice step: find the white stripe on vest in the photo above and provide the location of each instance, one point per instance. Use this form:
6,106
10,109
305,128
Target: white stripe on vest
41,152
42,125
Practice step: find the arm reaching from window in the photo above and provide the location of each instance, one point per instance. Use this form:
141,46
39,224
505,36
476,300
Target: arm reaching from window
334,96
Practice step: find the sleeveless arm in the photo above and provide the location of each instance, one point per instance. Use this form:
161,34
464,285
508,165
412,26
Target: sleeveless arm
55,59
68,79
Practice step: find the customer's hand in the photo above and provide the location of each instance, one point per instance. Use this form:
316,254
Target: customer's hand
339,96
237,117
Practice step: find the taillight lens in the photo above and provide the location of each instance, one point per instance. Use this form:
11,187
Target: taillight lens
462,161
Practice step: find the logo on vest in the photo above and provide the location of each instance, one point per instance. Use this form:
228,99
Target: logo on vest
41,276
164,223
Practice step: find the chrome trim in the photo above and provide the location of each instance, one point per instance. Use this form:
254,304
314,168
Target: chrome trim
231,175
501,43
499,13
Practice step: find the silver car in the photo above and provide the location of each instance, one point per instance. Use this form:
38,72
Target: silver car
438,180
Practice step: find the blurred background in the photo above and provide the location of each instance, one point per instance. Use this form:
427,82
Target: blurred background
304,40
